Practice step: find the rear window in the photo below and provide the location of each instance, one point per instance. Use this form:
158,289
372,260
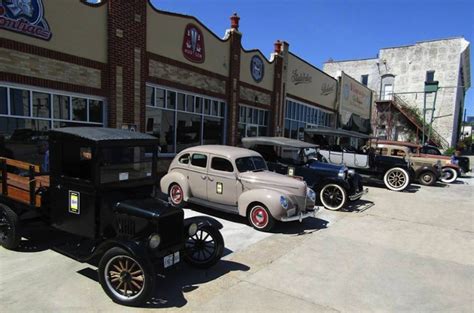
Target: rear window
398,152
184,159
221,164
199,160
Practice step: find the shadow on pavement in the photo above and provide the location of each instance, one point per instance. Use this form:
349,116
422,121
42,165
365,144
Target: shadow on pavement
170,289
357,206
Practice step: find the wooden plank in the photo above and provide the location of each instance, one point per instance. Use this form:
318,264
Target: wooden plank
22,195
21,165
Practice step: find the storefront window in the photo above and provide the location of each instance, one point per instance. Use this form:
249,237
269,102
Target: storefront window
150,96
95,111
300,116
41,105
188,131
3,101
160,97
19,102
195,120
252,122
79,109
61,107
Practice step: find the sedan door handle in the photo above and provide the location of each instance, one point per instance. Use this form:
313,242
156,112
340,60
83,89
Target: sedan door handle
210,178
203,176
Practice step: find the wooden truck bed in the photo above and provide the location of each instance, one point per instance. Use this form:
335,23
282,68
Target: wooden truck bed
20,181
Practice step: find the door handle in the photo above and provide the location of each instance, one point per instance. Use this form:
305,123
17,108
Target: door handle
210,178
58,186
203,176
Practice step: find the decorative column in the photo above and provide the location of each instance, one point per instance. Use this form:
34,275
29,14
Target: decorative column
233,84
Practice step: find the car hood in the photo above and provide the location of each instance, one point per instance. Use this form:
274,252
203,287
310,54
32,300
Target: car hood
326,166
271,180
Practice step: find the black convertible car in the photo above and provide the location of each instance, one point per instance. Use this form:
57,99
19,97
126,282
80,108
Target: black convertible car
335,185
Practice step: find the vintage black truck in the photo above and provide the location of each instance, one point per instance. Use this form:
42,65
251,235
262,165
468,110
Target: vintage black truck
100,188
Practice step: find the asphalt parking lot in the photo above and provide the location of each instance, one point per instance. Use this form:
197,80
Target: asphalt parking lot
395,252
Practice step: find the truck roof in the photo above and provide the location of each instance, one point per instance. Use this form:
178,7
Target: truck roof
102,134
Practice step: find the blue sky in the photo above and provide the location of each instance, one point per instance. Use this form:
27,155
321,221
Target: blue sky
340,29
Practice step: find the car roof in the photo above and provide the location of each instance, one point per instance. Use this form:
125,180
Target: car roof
227,151
102,134
277,141
399,143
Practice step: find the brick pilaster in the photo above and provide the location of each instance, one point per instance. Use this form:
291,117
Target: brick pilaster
279,88
127,63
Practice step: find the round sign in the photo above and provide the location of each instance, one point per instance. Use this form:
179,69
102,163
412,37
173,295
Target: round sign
257,68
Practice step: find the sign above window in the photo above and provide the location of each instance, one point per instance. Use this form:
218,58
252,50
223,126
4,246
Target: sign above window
24,17
257,68
193,44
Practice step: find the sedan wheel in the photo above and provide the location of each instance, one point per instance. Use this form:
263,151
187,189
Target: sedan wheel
205,248
396,179
333,197
176,196
449,175
427,179
260,218
126,279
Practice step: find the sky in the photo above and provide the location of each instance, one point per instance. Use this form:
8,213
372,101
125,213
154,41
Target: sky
318,30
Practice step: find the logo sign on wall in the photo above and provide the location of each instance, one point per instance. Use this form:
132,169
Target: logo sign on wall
193,44
24,17
300,78
257,68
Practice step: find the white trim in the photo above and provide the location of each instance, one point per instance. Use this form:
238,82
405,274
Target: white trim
185,92
309,105
53,91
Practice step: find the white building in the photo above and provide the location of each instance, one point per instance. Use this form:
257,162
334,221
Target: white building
403,71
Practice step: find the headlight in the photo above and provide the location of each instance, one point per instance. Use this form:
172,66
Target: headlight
154,241
284,202
351,172
342,174
311,195
192,230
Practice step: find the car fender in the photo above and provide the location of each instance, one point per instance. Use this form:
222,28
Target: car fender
135,248
426,168
176,177
454,167
269,198
332,180
203,221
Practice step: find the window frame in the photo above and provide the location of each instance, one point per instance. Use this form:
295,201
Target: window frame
221,158
197,166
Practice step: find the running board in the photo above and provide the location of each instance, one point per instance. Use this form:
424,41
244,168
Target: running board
215,206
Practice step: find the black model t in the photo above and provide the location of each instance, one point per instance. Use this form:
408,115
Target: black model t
335,185
100,189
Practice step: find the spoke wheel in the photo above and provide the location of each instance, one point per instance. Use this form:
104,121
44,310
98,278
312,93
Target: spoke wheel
260,218
333,197
449,175
9,228
396,179
125,278
205,248
176,195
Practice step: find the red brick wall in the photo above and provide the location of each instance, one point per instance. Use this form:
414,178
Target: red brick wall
233,87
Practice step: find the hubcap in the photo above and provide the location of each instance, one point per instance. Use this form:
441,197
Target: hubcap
259,217
201,247
332,196
396,178
124,277
176,194
427,178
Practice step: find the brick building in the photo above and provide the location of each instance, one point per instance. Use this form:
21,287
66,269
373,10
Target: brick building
126,64
398,75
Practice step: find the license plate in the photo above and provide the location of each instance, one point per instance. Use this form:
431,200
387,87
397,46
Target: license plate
171,259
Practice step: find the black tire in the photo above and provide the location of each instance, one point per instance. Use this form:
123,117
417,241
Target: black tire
260,218
126,279
449,175
427,178
396,179
10,236
172,196
333,197
205,248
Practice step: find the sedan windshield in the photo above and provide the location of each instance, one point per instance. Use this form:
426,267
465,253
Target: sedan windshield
250,164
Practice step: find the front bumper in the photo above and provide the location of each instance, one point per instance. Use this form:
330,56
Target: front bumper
358,194
300,216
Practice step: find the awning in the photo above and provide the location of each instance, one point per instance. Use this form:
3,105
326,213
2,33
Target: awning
276,141
338,132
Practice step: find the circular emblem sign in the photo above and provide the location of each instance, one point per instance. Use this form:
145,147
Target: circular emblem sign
257,68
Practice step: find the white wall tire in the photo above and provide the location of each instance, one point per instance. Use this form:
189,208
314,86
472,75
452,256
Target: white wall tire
176,196
260,218
449,175
333,197
396,179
